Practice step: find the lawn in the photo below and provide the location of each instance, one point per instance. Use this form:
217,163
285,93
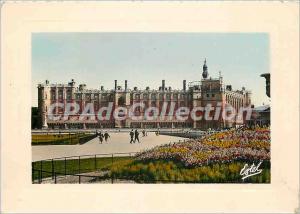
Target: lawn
60,139
159,171
74,166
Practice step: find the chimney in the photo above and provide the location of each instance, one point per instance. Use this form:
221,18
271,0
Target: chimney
163,85
184,85
115,85
125,85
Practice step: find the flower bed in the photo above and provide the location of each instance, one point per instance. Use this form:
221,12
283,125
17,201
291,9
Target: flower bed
222,147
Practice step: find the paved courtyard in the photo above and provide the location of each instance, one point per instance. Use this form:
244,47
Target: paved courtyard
117,143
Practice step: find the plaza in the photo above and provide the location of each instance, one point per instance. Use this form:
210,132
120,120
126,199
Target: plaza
117,143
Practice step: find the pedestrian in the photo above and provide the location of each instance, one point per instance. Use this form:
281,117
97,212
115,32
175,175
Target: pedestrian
144,133
106,136
100,137
136,136
157,132
131,136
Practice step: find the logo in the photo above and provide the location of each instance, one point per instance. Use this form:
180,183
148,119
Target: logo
248,171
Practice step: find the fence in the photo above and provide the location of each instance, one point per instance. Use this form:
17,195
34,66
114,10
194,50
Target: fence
192,134
97,168
79,169
50,170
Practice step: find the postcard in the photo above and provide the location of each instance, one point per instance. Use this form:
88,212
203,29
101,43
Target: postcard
117,99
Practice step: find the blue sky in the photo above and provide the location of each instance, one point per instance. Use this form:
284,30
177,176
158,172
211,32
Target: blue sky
144,59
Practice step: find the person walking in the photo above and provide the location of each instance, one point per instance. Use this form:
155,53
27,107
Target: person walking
144,133
100,137
131,136
106,136
136,136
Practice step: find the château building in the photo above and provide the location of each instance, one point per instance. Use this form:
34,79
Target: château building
207,91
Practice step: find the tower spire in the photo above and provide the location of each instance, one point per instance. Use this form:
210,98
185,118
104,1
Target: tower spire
205,70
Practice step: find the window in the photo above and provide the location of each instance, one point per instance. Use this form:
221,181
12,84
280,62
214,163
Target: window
161,96
145,96
60,94
213,95
104,96
175,96
53,95
153,96
68,94
121,101
207,95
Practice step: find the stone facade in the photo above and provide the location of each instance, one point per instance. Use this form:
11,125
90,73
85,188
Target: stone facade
208,91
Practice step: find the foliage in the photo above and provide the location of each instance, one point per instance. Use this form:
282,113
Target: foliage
60,139
222,147
171,172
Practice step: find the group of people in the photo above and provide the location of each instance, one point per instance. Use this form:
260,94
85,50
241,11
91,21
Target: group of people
134,135
102,136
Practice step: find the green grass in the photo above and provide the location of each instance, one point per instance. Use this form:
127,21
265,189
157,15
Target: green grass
160,171
72,165
59,139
